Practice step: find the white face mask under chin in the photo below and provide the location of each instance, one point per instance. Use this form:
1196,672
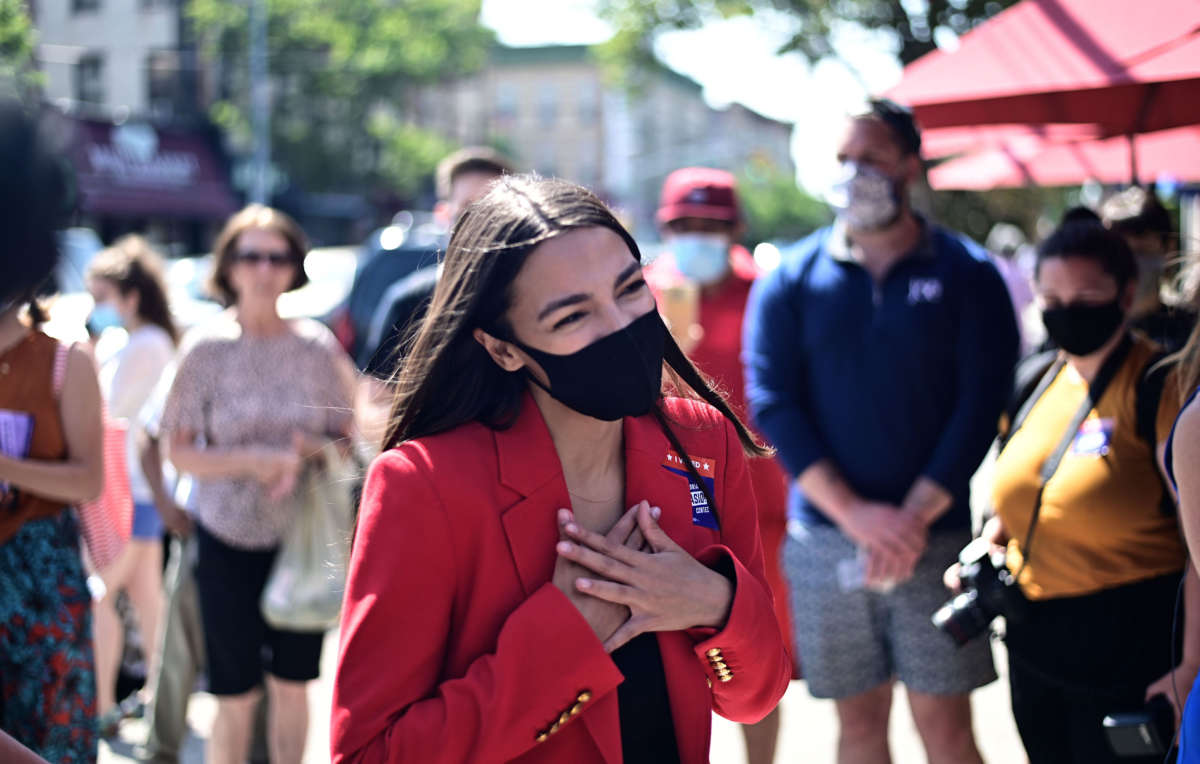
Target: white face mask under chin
864,198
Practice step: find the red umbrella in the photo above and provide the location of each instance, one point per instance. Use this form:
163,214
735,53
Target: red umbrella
949,141
1032,161
1128,67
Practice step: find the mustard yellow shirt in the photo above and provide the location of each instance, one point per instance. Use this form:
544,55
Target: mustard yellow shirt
1102,522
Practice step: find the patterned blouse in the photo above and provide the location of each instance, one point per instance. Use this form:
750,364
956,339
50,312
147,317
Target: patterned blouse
236,391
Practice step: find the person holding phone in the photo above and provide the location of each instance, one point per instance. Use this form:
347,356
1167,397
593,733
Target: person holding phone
561,533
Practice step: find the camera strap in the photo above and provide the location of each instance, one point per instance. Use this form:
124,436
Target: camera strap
1096,389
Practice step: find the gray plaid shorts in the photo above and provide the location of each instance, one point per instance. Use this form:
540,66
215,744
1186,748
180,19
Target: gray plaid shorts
851,641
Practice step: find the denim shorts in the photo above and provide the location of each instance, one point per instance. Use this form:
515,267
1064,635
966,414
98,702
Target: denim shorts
147,525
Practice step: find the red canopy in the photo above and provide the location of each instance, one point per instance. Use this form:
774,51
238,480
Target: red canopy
1031,161
1126,66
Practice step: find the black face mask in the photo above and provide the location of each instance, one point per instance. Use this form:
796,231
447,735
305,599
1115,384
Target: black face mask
616,376
1083,329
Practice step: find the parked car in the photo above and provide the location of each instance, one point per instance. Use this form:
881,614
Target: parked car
411,242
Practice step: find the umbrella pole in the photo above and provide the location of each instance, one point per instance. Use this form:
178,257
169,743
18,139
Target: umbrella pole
1133,164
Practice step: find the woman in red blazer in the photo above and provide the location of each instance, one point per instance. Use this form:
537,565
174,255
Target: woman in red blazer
554,561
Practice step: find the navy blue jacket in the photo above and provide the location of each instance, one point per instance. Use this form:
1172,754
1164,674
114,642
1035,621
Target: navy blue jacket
890,380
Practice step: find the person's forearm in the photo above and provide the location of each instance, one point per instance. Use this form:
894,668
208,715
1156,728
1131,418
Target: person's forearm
68,481
927,500
150,460
213,462
14,753
823,485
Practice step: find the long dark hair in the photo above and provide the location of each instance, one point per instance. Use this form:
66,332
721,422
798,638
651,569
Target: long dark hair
34,203
132,265
448,379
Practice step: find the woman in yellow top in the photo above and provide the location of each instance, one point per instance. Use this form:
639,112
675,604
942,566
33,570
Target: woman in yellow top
1102,571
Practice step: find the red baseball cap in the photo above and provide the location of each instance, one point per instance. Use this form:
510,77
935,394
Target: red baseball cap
699,192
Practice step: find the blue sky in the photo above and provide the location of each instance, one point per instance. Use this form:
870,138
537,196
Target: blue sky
735,61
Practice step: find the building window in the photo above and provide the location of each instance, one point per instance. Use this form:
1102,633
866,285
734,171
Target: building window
84,6
89,79
162,82
589,107
548,106
506,103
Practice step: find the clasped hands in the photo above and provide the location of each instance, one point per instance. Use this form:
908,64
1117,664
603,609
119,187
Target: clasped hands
278,469
635,579
893,537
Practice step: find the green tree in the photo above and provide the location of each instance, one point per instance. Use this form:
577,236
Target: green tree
776,208
18,76
912,23
345,77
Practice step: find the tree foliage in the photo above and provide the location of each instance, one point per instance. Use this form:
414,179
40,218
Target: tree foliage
913,23
343,79
18,76
776,209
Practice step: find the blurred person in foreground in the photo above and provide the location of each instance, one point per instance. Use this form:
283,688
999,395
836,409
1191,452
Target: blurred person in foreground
701,283
254,397
1140,218
1089,612
50,459
1182,460
879,356
126,283
462,177
565,546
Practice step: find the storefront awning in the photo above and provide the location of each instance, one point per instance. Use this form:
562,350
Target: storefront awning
136,170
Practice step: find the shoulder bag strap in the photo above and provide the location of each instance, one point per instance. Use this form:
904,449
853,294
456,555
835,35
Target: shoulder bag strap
59,374
1095,392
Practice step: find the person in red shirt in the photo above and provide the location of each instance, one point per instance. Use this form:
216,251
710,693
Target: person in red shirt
702,283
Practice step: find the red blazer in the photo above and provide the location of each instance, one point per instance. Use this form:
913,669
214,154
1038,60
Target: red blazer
456,646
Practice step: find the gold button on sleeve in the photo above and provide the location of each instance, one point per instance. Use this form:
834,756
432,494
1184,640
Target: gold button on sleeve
713,652
709,680
542,737
584,696
575,709
725,677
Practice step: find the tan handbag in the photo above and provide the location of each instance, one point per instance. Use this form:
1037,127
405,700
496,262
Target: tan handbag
304,590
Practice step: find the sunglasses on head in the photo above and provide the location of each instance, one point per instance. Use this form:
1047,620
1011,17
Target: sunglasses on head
277,259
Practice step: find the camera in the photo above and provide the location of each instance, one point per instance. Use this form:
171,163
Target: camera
988,590
1149,732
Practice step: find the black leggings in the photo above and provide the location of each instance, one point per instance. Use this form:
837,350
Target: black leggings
1075,660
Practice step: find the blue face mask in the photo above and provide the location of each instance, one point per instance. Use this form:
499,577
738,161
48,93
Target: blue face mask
104,316
701,257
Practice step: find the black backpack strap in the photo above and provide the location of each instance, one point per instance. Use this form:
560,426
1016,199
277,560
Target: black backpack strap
1148,397
1033,376
1149,394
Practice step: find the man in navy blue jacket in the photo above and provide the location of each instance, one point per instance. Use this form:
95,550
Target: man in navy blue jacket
879,357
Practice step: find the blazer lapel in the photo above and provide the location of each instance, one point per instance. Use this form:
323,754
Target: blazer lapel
529,466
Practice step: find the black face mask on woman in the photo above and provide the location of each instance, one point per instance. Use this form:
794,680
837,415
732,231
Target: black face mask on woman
616,376
1083,329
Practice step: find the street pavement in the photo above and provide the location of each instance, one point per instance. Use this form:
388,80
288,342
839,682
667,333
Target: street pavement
809,727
